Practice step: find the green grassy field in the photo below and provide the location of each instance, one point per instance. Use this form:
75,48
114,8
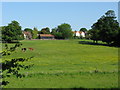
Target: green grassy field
67,64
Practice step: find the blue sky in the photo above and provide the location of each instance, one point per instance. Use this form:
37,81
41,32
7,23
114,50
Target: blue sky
51,14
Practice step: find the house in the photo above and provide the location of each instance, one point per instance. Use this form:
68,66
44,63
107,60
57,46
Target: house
46,36
27,35
79,33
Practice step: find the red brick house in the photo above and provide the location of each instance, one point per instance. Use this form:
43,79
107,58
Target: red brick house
46,36
27,35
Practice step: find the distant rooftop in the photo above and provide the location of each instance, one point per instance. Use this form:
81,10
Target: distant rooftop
46,35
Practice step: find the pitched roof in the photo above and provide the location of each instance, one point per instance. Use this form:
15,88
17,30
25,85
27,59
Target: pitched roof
26,33
46,35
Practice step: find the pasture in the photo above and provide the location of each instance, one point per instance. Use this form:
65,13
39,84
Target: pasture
67,64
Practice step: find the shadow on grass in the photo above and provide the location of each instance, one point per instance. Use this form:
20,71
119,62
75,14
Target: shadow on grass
13,42
92,43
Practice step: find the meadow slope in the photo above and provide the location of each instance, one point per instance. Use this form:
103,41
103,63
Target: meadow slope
67,64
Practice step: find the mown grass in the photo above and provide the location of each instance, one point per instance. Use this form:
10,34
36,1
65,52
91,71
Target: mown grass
67,64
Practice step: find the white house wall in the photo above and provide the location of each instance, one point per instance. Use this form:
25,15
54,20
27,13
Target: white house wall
77,34
25,36
83,34
80,34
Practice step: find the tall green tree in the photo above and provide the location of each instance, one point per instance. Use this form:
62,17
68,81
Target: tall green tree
107,26
35,32
45,30
94,35
58,35
83,29
54,30
11,32
117,37
29,30
65,30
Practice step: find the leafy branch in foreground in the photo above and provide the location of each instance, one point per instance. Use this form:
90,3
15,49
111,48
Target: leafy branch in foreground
13,66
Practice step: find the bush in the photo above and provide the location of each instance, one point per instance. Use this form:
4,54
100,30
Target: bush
12,67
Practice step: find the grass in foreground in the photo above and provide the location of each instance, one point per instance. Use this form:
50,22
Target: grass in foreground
67,64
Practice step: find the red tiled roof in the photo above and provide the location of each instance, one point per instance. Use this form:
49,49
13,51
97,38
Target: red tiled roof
46,35
80,31
26,33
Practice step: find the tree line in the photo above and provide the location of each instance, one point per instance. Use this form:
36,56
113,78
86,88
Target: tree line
13,31
106,29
